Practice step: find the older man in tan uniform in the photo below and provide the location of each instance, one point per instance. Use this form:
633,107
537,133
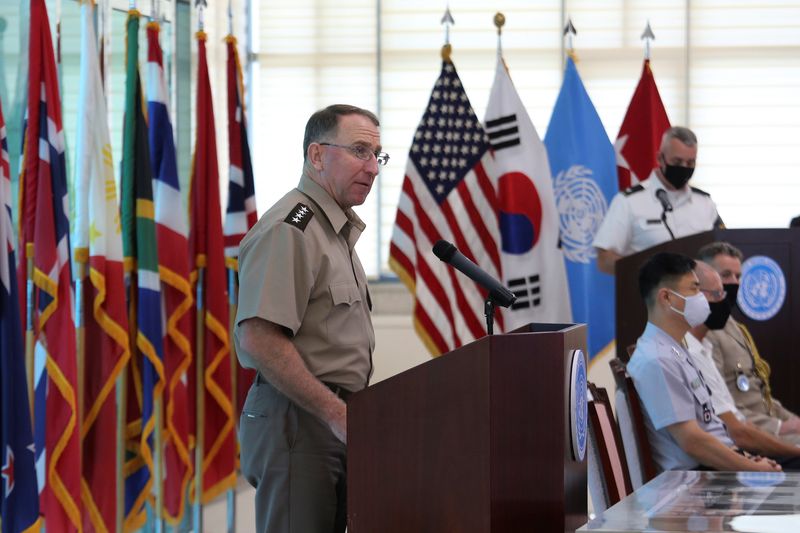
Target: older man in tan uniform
304,323
735,354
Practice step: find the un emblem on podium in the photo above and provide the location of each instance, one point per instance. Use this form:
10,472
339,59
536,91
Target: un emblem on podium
578,406
581,207
762,290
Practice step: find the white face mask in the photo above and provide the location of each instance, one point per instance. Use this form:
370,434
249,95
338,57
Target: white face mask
695,310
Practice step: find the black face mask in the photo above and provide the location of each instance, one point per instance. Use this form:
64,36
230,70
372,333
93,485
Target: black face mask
677,176
720,311
733,290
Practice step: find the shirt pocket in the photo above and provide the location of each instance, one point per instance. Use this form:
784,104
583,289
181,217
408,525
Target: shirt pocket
345,322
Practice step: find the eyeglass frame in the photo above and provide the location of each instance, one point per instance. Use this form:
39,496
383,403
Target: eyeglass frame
381,157
717,295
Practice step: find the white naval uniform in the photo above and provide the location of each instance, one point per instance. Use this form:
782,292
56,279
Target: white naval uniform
701,353
633,222
672,391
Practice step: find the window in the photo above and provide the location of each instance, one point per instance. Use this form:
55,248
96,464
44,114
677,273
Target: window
730,69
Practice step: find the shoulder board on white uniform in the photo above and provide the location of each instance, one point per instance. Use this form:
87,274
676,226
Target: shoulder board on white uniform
699,191
299,216
630,190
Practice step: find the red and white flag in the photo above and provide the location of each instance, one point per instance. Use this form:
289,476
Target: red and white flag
448,193
44,232
639,136
206,248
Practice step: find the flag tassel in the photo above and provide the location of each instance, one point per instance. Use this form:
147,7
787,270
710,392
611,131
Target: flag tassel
200,403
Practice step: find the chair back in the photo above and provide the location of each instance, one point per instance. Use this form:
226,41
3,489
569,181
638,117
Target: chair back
630,417
611,466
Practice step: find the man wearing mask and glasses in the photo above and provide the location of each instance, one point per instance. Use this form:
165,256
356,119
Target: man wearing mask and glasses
304,323
744,434
683,428
745,372
661,208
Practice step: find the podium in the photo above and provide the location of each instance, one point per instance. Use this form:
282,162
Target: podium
475,441
777,338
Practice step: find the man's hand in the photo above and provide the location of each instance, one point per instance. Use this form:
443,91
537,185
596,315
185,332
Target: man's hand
338,424
765,464
790,426
279,362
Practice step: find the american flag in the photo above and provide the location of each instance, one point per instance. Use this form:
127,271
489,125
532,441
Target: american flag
447,194
44,230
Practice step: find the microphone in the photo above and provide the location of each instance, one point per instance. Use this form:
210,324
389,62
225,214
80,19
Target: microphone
666,206
498,294
661,194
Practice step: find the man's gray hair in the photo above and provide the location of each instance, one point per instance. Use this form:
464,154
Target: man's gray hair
684,135
325,122
708,252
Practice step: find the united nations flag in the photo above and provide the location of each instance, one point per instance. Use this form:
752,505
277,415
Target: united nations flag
583,164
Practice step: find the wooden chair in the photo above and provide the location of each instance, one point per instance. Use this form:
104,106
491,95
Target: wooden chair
606,446
630,418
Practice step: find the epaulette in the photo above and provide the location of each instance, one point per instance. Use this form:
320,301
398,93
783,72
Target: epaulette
630,190
699,191
299,216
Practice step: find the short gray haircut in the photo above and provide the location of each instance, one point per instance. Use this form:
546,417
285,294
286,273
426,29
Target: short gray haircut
684,135
325,123
708,252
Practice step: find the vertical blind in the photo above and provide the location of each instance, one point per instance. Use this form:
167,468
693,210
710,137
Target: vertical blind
729,69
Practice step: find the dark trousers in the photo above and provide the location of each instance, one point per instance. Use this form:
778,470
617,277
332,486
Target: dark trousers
296,464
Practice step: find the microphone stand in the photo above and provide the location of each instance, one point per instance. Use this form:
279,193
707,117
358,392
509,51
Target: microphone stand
488,310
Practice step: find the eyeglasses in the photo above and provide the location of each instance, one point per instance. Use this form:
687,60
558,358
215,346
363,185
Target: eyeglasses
716,295
362,152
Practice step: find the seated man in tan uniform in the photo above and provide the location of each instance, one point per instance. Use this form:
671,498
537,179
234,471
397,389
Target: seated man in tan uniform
304,324
736,356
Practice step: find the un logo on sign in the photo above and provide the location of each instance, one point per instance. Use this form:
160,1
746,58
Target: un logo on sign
578,405
581,208
763,288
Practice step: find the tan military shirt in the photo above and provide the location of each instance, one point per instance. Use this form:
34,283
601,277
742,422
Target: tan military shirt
298,268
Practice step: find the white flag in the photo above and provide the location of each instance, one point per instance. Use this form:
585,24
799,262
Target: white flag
97,211
533,264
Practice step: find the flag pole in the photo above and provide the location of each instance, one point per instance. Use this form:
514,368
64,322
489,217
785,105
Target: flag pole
233,292
30,340
122,399
81,261
199,397
647,36
232,304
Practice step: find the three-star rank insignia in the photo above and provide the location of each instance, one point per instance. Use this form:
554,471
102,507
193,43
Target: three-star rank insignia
299,216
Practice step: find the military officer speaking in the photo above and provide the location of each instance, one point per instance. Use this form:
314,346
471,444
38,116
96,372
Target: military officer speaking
661,208
304,324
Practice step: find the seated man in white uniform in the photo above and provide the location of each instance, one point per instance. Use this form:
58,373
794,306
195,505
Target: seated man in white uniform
661,208
683,430
744,434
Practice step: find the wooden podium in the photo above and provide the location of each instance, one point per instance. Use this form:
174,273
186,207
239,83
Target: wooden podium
477,440
777,338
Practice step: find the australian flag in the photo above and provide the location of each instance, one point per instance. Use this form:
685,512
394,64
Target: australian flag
19,495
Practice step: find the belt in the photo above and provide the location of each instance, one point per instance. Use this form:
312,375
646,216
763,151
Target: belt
338,390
